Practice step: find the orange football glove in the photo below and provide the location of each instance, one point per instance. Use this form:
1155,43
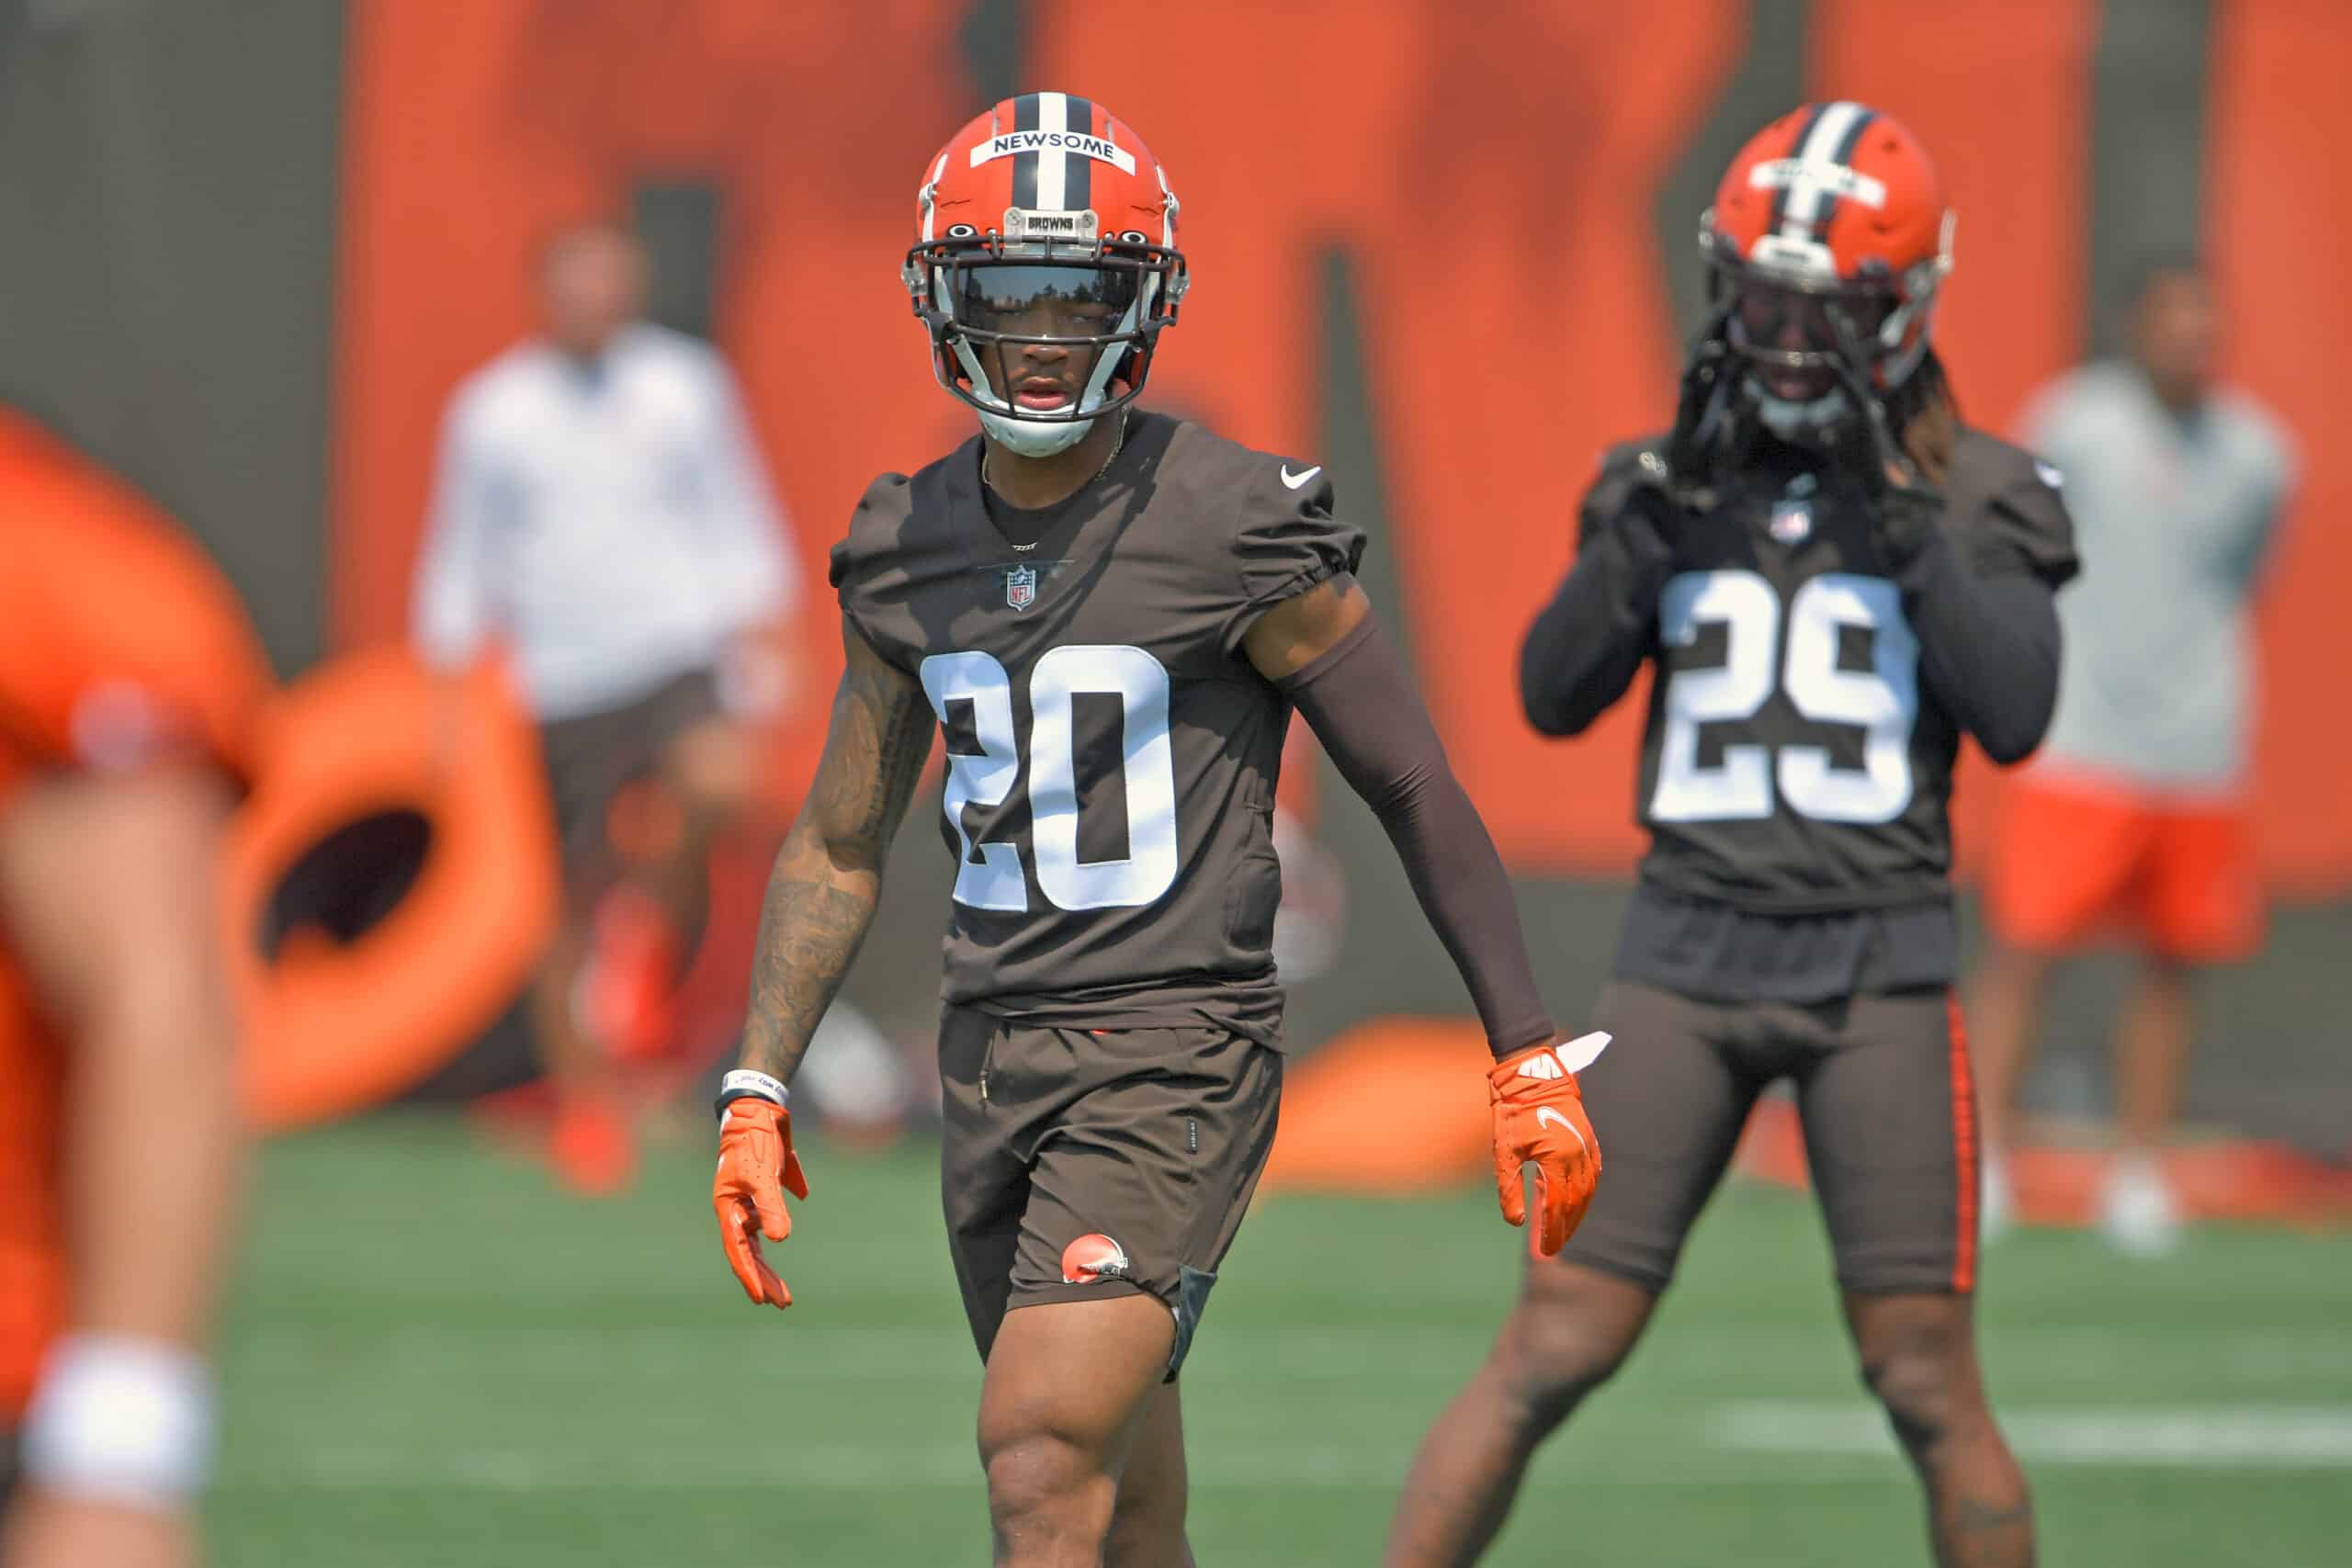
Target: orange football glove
756,1169
1540,1120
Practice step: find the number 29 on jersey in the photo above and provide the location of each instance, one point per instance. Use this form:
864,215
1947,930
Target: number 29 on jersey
1881,701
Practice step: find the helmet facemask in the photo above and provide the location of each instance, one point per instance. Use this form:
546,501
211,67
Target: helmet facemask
1045,280
1806,333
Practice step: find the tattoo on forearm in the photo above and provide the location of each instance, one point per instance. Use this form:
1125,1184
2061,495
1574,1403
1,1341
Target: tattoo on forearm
822,892
808,933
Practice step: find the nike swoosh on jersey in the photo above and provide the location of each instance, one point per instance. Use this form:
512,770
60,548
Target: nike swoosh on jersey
1296,480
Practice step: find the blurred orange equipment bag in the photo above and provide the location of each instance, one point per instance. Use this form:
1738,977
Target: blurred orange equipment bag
390,882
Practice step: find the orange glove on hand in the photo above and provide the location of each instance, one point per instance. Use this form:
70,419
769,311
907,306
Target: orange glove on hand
756,1169
1540,1120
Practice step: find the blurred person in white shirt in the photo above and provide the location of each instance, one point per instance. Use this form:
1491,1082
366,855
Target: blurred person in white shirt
600,514
2135,819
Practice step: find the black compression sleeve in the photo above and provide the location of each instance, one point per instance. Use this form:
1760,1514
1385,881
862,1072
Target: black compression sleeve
1988,646
1361,704
1582,651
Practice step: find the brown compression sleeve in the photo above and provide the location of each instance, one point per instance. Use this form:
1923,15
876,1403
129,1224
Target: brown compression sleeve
1362,703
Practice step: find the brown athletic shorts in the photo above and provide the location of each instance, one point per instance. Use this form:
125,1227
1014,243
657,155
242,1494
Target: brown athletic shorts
591,757
1150,1140
1883,1092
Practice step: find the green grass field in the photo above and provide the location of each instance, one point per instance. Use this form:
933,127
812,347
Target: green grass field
433,1358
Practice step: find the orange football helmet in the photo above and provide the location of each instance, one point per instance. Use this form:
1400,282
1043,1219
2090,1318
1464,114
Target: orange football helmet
1045,223
1828,238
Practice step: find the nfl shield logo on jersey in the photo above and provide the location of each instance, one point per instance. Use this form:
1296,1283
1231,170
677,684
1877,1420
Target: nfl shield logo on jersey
1791,520
1021,586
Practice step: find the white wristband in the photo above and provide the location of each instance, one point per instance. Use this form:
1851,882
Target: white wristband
744,1083
121,1420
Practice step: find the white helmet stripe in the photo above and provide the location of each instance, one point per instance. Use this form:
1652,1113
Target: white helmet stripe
1830,128
1053,163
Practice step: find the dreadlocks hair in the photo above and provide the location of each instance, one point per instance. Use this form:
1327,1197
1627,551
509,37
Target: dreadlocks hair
1924,413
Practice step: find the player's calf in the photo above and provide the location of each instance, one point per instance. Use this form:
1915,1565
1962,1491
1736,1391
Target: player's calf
1918,1356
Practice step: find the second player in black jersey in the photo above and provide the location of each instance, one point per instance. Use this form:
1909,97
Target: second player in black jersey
1832,579
1798,745
1814,670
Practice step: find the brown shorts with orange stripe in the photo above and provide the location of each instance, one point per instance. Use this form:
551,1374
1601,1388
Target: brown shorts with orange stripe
1883,1091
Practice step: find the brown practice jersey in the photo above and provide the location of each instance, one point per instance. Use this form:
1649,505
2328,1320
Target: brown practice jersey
1793,760
1111,753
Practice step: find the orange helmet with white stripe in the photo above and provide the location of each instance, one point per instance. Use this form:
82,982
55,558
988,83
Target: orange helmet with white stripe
1044,266
1828,238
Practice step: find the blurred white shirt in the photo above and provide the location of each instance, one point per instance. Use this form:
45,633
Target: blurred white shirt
2156,683
611,525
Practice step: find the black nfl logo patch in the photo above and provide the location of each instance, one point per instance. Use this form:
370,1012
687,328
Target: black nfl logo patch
1791,520
1021,586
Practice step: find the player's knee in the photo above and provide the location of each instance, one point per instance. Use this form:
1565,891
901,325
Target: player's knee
1924,1376
1042,1486
1552,1355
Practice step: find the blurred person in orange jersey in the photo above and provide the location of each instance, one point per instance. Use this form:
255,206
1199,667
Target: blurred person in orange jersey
2135,819
128,674
601,515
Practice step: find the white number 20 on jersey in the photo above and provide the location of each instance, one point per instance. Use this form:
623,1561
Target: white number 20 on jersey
1140,682
1884,701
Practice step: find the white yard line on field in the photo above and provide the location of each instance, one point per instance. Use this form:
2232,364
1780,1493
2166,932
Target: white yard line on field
2235,1437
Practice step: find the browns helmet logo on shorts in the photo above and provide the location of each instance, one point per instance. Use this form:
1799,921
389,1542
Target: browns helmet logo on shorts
1091,1260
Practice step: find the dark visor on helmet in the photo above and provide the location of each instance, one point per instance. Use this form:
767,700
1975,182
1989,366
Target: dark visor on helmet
1799,325
982,305
1042,300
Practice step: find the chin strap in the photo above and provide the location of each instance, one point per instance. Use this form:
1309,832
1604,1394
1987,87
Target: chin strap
1033,437
1809,424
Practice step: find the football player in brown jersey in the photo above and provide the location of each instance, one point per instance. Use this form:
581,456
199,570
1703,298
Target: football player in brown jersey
1834,579
1109,614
